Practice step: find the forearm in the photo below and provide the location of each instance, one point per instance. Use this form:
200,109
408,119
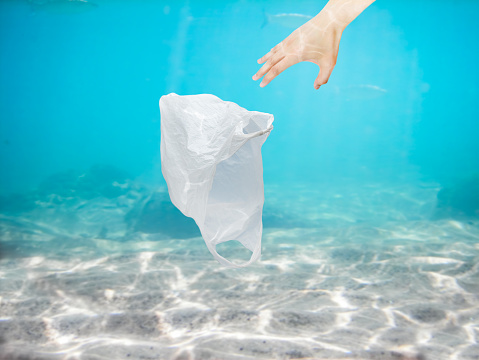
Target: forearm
343,12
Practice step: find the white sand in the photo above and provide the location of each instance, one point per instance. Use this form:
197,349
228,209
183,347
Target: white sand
365,275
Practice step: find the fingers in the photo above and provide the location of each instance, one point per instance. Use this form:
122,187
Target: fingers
269,54
268,65
278,69
323,76
265,57
271,58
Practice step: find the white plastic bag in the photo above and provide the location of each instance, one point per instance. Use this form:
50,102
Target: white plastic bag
211,161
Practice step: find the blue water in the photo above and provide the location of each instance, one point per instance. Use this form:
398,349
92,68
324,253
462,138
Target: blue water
382,162
82,88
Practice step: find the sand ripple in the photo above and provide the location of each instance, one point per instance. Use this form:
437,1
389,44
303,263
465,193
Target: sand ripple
393,288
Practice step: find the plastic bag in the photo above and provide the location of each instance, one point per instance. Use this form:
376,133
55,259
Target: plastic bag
211,161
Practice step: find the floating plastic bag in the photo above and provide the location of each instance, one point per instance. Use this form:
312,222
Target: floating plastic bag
211,161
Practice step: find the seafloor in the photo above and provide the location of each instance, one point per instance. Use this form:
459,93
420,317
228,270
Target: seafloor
347,272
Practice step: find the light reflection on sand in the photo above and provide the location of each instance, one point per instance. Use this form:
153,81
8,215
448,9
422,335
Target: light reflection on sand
367,282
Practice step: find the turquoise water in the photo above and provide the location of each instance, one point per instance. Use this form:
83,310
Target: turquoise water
371,230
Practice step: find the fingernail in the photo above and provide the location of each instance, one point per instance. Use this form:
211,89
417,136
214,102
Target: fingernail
262,84
255,77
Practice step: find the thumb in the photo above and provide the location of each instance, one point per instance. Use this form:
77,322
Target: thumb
323,76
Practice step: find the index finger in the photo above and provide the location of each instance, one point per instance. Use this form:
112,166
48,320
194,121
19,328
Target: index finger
269,54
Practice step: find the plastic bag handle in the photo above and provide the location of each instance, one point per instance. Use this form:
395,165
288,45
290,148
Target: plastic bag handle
254,256
258,133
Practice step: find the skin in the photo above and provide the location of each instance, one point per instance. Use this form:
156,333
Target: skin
316,41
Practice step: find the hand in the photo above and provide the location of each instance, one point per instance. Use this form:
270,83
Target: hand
316,41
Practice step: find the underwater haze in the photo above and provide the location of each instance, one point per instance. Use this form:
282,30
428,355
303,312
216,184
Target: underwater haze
371,214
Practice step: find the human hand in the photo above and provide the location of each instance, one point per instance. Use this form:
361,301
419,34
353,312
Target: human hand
316,41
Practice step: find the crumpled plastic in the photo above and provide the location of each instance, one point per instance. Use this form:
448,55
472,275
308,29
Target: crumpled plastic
211,161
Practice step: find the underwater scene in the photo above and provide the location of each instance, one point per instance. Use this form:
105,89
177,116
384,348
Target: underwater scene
370,242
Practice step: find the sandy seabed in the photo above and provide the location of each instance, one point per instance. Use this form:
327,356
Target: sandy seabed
362,274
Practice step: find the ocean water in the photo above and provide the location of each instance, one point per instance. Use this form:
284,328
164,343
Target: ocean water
370,246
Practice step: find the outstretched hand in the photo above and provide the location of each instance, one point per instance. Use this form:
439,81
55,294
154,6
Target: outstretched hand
316,41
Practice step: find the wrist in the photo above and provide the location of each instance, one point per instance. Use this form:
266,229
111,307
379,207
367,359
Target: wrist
343,12
328,19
